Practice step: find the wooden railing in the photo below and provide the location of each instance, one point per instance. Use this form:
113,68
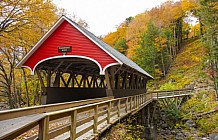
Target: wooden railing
14,113
101,116
82,121
87,120
17,121
161,94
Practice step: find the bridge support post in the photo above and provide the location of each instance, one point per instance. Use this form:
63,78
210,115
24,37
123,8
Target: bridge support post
43,99
148,121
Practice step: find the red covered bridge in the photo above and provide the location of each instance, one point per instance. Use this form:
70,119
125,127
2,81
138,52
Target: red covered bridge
73,64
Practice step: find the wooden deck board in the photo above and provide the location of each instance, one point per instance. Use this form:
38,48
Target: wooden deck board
7,127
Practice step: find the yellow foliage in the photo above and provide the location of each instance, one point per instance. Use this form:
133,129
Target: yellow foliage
187,64
23,22
190,5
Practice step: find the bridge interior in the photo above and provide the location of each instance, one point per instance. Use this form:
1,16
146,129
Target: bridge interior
71,79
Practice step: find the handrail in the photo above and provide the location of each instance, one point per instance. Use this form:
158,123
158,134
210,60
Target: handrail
176,90
103,114
122,109
171,93
88,120
14,113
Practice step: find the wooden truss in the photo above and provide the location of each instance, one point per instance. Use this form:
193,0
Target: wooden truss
175,101
79,74
124,78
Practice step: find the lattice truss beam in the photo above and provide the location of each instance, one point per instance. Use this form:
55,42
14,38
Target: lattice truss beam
176,102
84,74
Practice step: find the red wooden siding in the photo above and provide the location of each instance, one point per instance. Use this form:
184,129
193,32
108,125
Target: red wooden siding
67,35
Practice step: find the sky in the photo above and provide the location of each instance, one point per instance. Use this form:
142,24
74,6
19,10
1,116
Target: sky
103,16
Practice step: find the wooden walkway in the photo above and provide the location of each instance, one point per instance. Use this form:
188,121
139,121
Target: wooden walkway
76,120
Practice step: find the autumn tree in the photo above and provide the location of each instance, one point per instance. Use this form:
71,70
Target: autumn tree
7,74
22,23
191,8
133,33
118,39
154,37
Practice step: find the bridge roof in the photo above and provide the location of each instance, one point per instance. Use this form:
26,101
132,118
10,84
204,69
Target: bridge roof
101,53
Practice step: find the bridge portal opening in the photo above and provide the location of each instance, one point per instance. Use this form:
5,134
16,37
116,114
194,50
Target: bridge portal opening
70,79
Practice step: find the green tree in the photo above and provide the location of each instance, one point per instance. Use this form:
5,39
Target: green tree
147,52
209,17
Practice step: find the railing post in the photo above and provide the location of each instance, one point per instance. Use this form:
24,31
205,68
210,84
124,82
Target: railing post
127,104
73,125
118,108
140,101
131,103
135,101
141,97
108,112
145,97
44,128
95,130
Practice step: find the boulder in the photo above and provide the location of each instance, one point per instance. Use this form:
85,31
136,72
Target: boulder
214,136
164,126
190,124
204,96
180,136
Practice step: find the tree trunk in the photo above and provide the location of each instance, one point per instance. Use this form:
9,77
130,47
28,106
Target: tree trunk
17,101
201,27
179,33
155,82
26,88
162,61
214,65
175,42
10,99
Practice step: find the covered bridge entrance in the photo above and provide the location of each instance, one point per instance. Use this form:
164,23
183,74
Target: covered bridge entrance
73,64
